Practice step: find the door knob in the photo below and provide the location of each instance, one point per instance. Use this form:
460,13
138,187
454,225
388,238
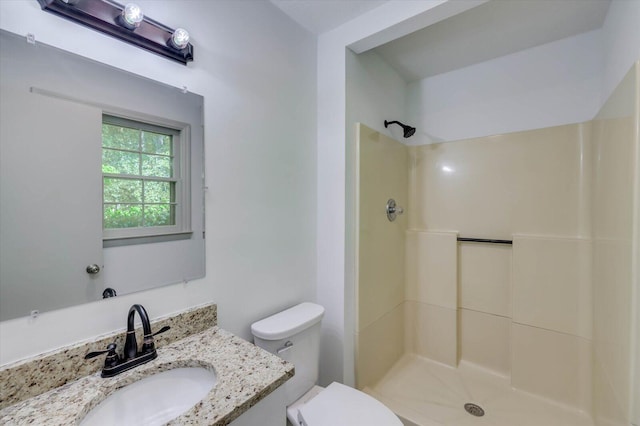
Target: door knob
93,269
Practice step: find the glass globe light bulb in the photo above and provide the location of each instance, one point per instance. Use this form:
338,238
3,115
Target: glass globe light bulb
132,14
180,38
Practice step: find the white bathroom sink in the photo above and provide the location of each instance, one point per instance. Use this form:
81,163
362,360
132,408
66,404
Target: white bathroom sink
154,400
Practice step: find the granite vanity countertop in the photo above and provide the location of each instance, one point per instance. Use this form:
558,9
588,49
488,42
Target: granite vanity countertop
245,375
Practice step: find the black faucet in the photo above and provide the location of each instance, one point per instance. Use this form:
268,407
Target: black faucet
130,344
114,364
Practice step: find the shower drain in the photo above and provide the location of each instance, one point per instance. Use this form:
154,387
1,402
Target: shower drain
474,410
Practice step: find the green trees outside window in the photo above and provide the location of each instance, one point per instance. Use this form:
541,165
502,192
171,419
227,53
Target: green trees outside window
139,175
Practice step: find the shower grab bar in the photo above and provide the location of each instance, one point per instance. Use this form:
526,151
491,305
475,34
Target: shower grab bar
484,240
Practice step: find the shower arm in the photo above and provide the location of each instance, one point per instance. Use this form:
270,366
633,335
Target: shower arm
387,123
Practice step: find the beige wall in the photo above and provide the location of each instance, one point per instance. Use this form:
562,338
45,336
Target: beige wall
532,182
432,295
615,148
382,173
523,311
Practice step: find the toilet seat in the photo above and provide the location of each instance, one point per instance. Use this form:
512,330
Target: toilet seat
340,405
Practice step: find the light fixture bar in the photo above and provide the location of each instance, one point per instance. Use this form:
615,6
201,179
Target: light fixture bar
103,16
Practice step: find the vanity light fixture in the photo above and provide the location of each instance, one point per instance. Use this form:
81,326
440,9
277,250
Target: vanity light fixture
131,16
126,23
179,39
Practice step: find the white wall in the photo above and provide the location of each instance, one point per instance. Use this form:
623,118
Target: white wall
562,82
566,81
256,70
621,39
548,85
375,92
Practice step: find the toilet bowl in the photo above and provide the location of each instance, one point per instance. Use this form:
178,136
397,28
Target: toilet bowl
294,335
338,404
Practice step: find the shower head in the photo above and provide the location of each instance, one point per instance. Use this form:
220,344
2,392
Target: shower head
408,130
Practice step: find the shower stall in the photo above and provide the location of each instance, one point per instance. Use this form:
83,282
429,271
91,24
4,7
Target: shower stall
503,295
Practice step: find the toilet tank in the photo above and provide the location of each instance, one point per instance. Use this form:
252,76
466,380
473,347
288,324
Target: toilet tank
293,335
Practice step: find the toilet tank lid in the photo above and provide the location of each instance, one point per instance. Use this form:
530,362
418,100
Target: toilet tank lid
289,322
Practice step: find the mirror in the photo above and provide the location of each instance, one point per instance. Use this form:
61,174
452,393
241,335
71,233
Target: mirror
53,251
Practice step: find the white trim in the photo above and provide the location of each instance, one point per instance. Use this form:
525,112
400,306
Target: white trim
160,238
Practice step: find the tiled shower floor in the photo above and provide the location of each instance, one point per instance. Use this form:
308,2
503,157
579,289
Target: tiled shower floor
430,394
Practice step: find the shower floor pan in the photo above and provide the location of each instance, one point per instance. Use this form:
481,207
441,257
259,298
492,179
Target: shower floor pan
426,393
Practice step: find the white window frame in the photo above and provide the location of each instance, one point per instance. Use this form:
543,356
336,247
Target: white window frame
181,176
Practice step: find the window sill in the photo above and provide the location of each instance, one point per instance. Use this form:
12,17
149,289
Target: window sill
146,239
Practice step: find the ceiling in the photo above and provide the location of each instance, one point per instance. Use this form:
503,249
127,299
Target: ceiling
320,16
491,30
488,31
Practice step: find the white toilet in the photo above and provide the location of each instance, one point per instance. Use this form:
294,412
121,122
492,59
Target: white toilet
294,335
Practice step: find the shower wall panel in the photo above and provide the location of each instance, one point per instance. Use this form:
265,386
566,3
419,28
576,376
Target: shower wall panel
432,295
431,332
615,222
532,182
552,284
431,268
551,364
532,187
382,173
485,278
485,340
485,305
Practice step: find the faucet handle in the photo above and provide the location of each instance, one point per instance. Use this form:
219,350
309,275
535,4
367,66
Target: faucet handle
162,330
148,344
112,358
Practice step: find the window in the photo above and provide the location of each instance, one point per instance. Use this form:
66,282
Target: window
143,190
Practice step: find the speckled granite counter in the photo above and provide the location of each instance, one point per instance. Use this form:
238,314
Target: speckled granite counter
245,374
32,376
